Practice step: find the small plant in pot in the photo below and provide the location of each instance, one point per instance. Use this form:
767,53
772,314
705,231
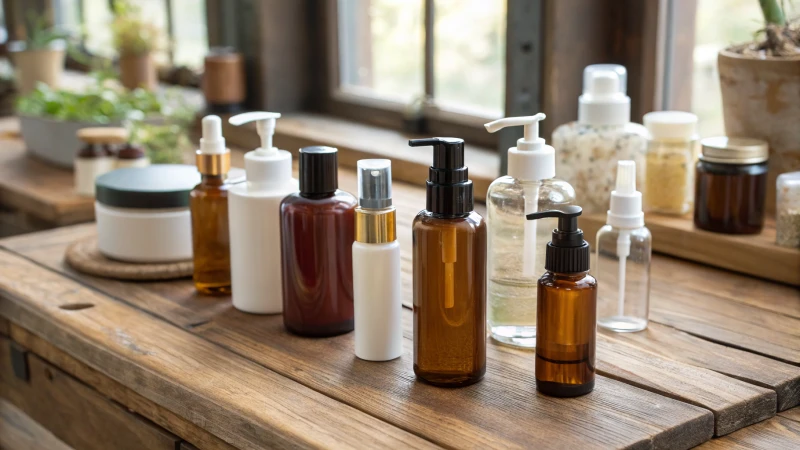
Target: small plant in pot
135,40
40,57
760,83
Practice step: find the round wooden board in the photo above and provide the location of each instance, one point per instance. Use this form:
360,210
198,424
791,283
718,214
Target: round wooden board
83,256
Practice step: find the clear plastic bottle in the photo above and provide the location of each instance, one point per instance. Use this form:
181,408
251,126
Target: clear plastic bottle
515,245
623,252
671,156
588,149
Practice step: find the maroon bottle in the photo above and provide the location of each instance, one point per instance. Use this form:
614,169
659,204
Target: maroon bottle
317,234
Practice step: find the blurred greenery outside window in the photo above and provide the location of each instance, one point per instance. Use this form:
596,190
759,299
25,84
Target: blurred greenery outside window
183,23
382,53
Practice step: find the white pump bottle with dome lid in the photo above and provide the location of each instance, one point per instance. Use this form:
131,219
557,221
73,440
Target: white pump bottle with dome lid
516,246
254,220
587,150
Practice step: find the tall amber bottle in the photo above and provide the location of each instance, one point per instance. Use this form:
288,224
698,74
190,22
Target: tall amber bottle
449,273
208,202
317,235
566,329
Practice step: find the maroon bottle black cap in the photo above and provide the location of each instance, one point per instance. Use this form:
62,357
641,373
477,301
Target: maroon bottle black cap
318,170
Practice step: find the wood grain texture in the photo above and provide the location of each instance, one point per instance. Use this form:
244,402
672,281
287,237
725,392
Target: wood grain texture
783,378
20,432
75,413
735,404
755,255
245,404
37,188
498,412
777,433
116,391
791,414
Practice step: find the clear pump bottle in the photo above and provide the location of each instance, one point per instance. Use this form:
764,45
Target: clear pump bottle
515,261
449,273
565,323
208,203
623,252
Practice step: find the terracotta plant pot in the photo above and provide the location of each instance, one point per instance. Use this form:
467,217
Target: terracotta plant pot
138,71
760,100
33,66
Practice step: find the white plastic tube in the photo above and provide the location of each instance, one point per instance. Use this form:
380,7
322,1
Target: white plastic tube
377,298
623,250
529,242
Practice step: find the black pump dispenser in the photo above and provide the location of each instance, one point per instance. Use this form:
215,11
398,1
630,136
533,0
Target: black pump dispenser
449,190
567,252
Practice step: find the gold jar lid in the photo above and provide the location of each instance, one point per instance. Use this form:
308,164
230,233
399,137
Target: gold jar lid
733,150
103,135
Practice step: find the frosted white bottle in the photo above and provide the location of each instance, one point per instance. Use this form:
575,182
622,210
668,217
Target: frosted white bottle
254,221
377,293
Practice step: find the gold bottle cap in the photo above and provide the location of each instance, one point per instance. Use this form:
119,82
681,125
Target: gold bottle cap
733,150
376,226
213,163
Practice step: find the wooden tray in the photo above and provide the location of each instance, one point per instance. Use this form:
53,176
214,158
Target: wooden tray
756,255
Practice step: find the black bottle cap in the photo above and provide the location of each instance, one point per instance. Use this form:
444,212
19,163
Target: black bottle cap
318,170
449,188
567,252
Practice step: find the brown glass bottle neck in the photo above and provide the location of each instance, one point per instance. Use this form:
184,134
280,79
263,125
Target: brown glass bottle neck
212,180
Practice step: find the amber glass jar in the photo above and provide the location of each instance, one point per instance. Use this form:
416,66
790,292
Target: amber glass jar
731,185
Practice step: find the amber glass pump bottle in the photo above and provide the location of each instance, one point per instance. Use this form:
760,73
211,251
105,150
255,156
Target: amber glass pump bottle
208,202
567,310
449,273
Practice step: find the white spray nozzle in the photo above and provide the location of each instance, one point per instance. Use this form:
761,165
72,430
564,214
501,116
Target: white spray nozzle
265,125
212,141
626,178
626,202
530,139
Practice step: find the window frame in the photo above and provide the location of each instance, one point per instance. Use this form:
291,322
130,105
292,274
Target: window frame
387,113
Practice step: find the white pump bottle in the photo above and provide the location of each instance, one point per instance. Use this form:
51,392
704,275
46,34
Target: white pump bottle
517,246
254,220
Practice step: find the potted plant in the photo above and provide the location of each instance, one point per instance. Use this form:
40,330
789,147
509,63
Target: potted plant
39,58
760,83
135,40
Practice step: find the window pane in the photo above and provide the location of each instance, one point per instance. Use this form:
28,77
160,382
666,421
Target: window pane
469,55
381,47
155,12
742,19
67,15
97,17
190,38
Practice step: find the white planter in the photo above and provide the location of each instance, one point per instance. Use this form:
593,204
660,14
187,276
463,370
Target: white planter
54,141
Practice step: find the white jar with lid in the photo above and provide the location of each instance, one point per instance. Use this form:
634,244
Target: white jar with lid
787,210
669,162
143,213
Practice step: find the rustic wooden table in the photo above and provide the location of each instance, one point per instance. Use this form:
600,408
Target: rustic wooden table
99,362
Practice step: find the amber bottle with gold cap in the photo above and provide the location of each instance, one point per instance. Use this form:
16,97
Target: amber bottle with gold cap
209,206
449,273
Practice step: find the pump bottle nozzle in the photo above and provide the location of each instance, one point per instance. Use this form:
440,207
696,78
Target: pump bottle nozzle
265,125
567,252
530,139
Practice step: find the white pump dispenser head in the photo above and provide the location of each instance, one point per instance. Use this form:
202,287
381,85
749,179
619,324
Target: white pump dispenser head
604,100
531,159
626,201
212,142
266,166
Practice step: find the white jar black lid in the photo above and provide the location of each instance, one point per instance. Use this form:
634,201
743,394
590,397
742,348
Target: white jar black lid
154,187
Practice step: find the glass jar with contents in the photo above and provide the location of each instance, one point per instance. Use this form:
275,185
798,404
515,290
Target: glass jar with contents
731,184
788,210
669,162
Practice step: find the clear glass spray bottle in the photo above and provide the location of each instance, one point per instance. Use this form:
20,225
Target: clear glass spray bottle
624,247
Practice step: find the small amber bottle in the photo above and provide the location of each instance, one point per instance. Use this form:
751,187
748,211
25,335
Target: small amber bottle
449,274
208,202
565,322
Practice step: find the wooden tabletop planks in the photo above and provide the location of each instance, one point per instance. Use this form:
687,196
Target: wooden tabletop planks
235,399
738,386
777,433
